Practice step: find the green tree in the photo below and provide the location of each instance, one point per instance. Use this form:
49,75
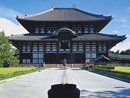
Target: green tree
7,52
126,52
117,52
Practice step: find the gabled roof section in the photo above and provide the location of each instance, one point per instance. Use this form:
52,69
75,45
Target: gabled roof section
119,56
82,37
64,14
66,30
100,37
102,57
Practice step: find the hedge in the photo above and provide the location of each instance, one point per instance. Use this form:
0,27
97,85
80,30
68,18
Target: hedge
18,73
105,67
124,75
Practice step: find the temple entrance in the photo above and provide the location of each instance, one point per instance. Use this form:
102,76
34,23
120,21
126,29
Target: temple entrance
71,58
65,56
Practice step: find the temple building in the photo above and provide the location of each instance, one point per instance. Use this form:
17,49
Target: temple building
63,33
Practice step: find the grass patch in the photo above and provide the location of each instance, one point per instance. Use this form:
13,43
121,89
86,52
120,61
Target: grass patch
11,70
121,72
122,69
14,72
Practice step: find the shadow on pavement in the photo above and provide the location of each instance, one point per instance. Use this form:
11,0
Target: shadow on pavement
125,93
76,69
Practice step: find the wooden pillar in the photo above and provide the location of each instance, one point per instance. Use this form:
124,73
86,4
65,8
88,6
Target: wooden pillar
107,51
57,54
21,45
71,46
37,46
50,46
84,50
97,47
77,46
31,58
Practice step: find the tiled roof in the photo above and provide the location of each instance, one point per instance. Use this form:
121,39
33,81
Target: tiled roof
64,14
101,57
30,37
119,56
82,37
99,37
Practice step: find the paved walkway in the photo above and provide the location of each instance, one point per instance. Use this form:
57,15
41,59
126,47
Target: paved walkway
90,84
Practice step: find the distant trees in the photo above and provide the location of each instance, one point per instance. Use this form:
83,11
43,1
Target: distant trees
7,52
126,52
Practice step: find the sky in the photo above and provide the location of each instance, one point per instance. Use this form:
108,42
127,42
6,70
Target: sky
119,9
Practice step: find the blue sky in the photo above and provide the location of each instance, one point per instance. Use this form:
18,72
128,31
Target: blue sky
119,9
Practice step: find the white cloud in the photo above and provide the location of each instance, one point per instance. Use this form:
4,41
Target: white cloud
8,13
10,28
128,35
122,45
123,20
124,26
116,32
128,9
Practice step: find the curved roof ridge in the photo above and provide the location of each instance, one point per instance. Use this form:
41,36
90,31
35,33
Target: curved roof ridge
91,13
17,34
111,34
37,13
64,14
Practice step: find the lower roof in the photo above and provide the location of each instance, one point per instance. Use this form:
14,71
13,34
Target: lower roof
81,37
119,56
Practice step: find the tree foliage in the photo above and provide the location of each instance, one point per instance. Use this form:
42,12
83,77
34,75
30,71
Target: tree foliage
125,52
7,52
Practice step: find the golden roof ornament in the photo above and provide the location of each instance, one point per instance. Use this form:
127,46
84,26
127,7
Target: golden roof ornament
53,6
74,6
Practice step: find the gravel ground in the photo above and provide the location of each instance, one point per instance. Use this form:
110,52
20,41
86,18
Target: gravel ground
91,85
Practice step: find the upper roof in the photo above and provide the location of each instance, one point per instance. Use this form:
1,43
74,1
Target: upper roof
82,37
64,14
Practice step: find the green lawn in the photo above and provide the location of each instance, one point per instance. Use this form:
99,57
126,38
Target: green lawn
11,70
122,69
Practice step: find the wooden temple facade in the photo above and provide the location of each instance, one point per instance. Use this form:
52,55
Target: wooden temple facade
63,33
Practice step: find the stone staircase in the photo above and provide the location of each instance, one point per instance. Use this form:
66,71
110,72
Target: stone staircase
52,65
61,65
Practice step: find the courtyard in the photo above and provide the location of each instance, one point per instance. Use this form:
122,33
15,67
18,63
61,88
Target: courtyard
91,85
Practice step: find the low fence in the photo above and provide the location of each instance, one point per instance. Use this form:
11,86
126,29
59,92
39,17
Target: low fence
52,65
124,75
61,65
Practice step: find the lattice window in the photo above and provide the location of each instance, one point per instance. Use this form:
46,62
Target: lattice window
36,29
93,46
26,61
41,47
26,47
102,47
74,46
48,46
54,46
38,58
88,47
35,47
42,30
80,46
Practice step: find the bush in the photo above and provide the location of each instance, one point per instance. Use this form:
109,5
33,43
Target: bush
18,73
125,75
105,67
85,67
